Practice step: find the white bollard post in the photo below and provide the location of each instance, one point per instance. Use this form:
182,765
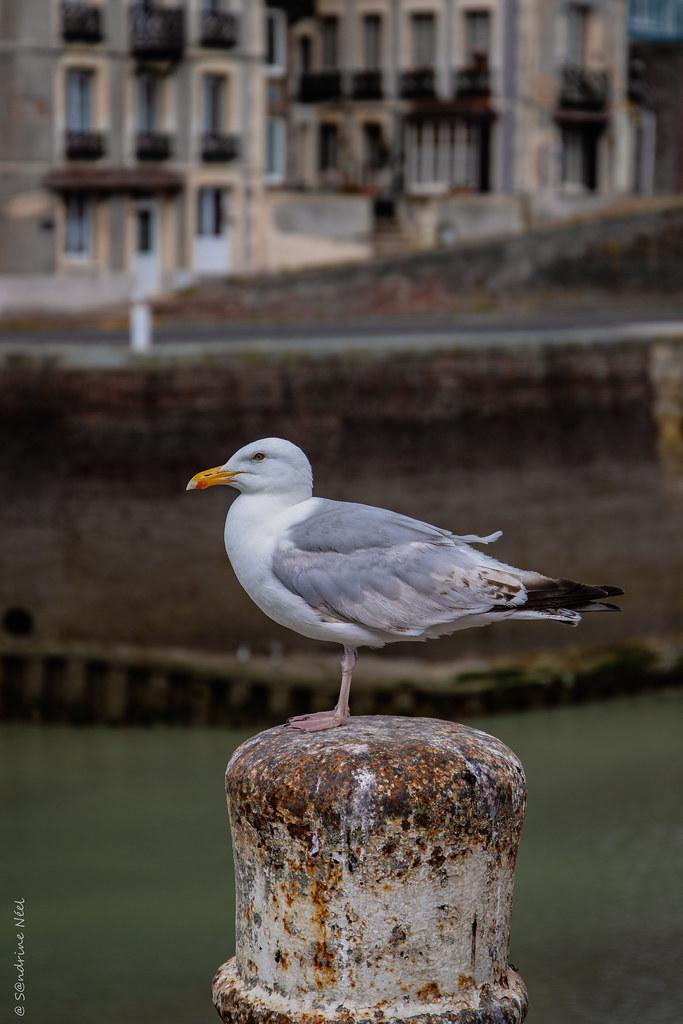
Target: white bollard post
140,326
374,868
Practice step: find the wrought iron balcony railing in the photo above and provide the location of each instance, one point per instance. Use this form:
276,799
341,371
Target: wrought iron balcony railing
157,32
294,9
318,86
84,145
153,146
584,88
418,84
367,85
219,30
220,148
81,23
473,81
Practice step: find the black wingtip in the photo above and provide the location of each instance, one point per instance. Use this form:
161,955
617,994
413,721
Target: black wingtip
546,593
598,606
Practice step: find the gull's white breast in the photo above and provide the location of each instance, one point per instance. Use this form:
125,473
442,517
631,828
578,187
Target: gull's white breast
255,524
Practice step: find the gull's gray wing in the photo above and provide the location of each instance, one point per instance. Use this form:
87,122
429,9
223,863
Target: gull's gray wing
385,571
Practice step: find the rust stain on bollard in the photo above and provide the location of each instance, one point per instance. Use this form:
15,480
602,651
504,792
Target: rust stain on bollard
374,869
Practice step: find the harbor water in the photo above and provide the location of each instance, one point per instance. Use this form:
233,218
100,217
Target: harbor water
117,840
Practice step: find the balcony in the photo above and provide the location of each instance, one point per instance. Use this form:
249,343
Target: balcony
81,23
157,33
367,85
583,88
219,30
318,86
153,146
473,81
84,145
218,148
418,84
294,9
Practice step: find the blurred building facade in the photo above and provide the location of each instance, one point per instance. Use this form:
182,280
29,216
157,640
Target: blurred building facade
476,96
656,62
160,141
426,99
131,147
656,20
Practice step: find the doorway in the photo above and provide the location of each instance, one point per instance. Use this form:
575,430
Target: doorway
147,264
212,241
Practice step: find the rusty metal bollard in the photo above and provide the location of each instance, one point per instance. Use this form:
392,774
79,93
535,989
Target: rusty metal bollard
374,870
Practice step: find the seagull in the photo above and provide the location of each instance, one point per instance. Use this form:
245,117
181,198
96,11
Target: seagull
362,576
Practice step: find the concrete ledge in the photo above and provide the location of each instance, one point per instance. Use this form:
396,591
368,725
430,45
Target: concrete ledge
62,293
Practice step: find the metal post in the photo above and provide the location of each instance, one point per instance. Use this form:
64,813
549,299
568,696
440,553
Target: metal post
374,869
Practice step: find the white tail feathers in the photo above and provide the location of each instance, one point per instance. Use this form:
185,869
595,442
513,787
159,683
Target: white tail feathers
473,538
570,618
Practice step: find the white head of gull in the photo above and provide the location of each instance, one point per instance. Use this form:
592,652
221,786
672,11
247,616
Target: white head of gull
363,576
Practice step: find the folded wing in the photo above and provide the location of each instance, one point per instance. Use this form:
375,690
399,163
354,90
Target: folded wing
376,568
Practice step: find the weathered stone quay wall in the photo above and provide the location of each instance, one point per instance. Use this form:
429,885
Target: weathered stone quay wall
635,250
557,446
149,423
117,686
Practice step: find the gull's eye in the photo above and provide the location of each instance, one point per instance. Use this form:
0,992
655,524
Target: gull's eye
258,457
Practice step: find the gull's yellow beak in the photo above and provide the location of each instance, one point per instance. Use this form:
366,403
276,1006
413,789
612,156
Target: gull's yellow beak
209,478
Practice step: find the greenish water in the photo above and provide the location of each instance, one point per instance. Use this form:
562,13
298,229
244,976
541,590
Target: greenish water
118,842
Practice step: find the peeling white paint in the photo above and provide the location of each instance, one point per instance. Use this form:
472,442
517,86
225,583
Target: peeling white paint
396,914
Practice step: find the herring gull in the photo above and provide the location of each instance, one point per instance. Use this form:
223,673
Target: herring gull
363,576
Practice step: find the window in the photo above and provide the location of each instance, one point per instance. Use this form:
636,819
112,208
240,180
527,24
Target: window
577,33
579,158
211,6
78,225
276,40
275,149
424,40
447,154
305,61
372,41
477,33
148,103
329,147
329,43
144,240
659,19
79,90
374,146
304,50
213,104
211,217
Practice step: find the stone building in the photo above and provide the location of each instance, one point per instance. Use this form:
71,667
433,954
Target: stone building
428,99
131,151
656,52
148,143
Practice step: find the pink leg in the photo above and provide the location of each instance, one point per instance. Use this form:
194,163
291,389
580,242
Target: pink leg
320,720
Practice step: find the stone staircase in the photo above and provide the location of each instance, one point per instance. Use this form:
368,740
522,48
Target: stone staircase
390,239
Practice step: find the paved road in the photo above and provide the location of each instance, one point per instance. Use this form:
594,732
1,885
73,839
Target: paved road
87,346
